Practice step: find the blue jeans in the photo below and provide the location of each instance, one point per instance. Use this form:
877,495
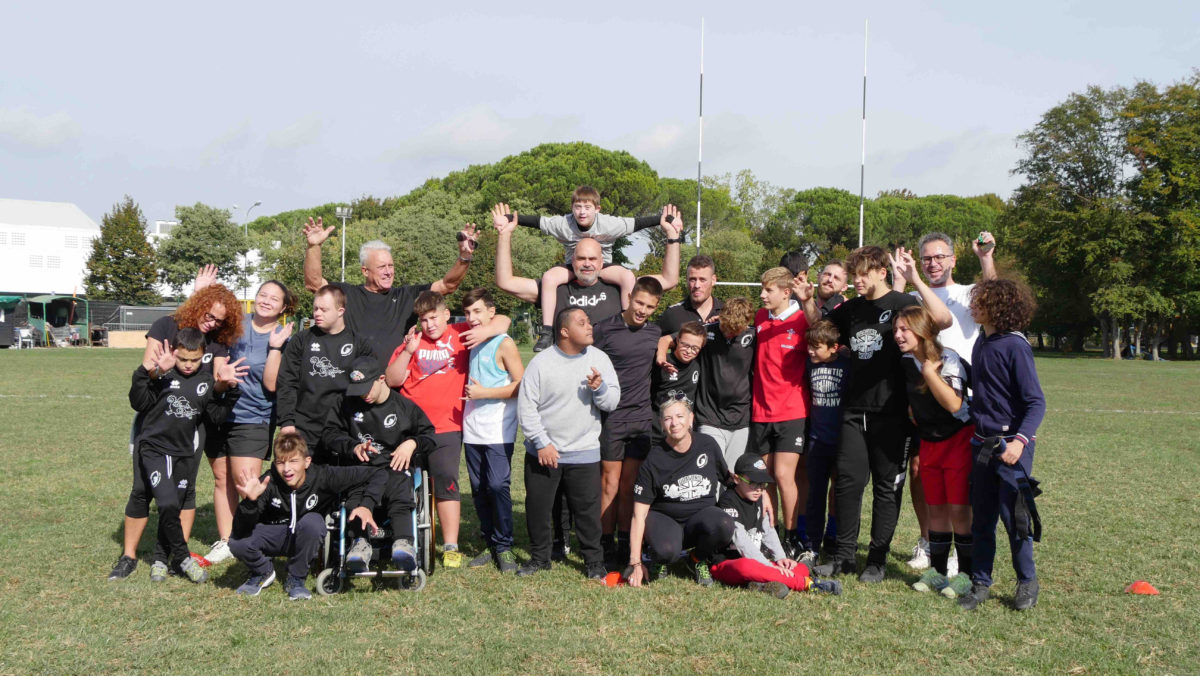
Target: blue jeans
489,467
994,496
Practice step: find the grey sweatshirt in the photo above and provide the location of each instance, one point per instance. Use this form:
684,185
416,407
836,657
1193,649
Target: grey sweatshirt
605,230
556,406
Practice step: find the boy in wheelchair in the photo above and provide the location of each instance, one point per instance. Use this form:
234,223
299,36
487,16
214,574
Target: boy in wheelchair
282,513
378,427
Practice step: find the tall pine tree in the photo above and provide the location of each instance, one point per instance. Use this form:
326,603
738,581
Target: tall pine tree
122,265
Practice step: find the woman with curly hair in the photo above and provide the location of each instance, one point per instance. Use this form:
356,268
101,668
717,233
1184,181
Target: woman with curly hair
217,313
1006,408
242,441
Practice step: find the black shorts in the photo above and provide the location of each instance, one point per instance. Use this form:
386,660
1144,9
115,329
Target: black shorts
241,440
786,436
620,440
443,465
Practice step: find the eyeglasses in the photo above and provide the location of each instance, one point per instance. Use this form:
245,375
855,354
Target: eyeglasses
684,347
210,318
939,258
761,487
672,396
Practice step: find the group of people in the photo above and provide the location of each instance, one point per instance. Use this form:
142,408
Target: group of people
734,440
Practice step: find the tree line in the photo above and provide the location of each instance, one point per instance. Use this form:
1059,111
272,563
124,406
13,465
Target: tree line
1105,226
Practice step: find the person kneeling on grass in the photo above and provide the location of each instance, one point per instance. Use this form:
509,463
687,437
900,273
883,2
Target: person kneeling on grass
381,428
755,557
282,513
675,501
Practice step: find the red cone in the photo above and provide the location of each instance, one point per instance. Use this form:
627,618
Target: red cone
1142,587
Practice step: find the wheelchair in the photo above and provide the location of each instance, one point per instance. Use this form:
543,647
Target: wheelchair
333,577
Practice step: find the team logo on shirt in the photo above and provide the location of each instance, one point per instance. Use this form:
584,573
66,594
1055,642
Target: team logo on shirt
206,358
673,376
732,512
702,460
358,417
883,318
174,385
180,407
689,487
368,439
316,347
311,501
323,368
637,489
276,502
201,389
747,339
587,301
866,343
356,376
390,421
182,484
347,349
695,376
155,477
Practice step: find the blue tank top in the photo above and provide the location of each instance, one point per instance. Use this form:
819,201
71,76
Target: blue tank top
489,421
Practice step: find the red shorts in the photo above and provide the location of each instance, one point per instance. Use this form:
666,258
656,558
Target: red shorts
737,572
946,468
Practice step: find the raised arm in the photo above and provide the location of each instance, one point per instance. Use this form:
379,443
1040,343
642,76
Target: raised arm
984,251
315,234
397,369
522,287
671,223
468,239
902,261
275,343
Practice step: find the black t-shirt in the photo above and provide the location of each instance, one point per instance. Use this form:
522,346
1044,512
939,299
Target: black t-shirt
381,319
827,383
682,312
749,514
681,484
166,328
935,423
313,375
599,301
173,407
725,379
667,386
631,351
876,382
831,304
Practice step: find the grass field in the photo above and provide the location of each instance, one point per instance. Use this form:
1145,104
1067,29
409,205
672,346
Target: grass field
1117,456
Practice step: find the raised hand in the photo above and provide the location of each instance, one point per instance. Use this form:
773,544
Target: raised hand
412,339
279,335
315,231
671,222
903,264
504,220
802,288
468,239
988,245
248,485
205,276
165,358
594,380
231,373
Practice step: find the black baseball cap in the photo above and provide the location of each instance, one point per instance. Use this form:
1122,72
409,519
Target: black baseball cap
363,374
752,468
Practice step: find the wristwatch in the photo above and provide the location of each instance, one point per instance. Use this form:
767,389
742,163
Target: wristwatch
677,240
465,260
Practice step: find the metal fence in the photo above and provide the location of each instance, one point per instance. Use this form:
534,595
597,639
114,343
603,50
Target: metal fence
136,318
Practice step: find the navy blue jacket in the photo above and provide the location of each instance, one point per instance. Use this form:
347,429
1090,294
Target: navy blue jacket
1007,399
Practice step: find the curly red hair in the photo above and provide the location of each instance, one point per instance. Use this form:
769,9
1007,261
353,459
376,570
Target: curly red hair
192,312
1006,303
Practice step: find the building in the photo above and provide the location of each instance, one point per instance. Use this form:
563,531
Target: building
44,247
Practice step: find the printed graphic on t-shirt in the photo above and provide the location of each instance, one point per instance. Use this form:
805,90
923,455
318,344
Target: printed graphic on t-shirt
440,359
866,343
826,387
180,407
367,438
323,368
690,487
587,301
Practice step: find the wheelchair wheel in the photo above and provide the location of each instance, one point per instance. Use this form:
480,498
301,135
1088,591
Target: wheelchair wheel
415,583
329,582
426,525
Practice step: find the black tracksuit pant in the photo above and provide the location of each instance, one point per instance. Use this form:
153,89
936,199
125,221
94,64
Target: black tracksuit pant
581,490
872,445
277,539
168,478
706,532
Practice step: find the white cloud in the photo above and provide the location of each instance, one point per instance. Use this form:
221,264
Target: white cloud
27,128
300,133
480,134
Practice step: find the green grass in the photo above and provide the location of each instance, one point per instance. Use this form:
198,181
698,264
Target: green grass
1117,456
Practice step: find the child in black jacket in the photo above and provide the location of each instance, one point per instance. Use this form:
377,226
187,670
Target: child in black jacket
283,512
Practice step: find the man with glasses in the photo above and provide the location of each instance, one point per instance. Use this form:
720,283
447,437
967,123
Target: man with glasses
937,260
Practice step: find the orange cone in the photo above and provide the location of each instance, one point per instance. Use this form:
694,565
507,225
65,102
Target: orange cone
1142,587
613,579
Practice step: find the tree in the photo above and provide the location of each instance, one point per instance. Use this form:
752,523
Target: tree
122,264
204,235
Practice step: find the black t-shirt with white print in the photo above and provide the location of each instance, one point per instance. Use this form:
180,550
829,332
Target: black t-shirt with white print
313,375
749,514
680,484
725,379
876,380
173,406
166,328
935,423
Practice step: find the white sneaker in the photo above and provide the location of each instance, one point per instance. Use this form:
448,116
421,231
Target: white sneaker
219,552
920,558
952,565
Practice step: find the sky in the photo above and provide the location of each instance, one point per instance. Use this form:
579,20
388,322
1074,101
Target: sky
299,104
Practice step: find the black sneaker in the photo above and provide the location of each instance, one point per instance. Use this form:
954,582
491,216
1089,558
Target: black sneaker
703,572
484,559
792,546
124,568
506,562
777,589
979,594
595,571
834,567
1027,595
545,340
827,586
533,568
874,572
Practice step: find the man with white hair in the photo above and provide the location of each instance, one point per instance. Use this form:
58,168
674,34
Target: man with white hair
375,310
